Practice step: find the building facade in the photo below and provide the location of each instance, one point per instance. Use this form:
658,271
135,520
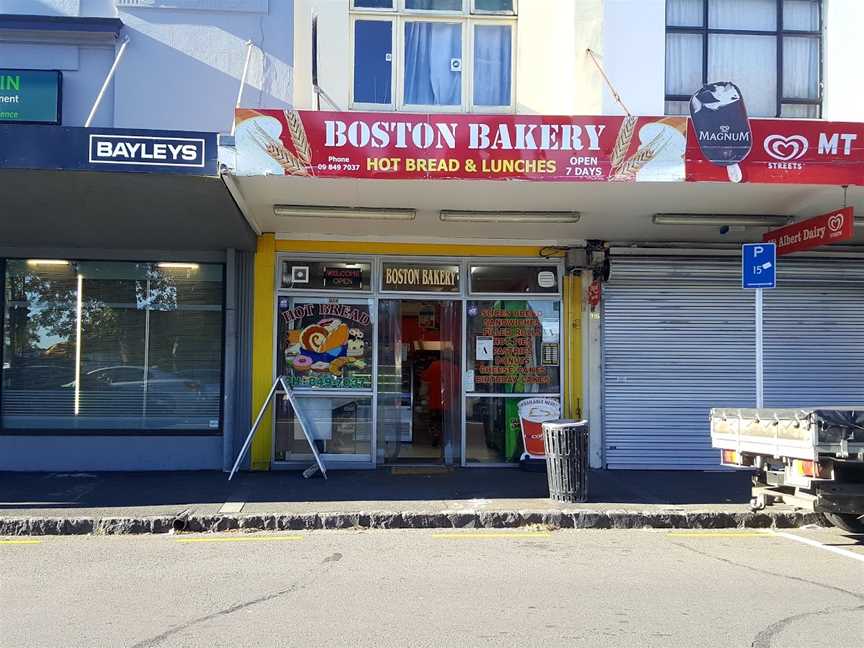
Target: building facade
421,311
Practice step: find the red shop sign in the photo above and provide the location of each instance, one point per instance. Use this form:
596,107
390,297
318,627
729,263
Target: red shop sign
820,230
791,151
480,147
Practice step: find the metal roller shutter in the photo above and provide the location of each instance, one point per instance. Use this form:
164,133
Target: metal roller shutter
678,339
814,334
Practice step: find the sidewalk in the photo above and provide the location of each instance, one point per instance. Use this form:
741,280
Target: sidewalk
76,503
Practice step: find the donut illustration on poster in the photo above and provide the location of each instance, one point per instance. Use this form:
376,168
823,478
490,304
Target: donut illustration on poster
325,346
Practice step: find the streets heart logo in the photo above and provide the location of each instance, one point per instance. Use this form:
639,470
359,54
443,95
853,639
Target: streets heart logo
786,149
835,223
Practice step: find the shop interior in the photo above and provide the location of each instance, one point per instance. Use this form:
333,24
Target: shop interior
419,388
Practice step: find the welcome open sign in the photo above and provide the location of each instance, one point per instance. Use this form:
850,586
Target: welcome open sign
30,96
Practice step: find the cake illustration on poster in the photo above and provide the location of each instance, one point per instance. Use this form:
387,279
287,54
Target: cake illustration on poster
721,126
324,345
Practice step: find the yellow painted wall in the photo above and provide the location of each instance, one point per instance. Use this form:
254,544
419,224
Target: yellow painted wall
263,348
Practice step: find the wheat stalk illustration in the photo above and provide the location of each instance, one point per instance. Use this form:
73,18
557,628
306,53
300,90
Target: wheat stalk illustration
298,137
622,142
628,170
276,150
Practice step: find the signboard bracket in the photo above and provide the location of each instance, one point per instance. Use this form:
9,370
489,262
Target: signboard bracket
288,393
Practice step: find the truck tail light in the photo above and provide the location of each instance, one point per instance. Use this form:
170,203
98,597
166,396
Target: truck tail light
804,467
730,457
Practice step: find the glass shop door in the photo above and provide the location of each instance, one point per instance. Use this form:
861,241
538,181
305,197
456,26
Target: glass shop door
419,381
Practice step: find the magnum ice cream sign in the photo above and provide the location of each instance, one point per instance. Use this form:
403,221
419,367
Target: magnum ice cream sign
721,126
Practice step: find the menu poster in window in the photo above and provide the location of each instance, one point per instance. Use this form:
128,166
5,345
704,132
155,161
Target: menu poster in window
508,343
325,346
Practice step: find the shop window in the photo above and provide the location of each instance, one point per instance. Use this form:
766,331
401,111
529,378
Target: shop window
117,346
325,353
325,275
719,40
341,425
514,347
501,430
325,345
454,54
514,279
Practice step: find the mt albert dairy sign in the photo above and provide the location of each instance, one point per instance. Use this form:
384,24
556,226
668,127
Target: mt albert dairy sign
814,232
30,96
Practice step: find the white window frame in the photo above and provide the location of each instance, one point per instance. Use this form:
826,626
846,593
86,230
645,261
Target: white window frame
468,18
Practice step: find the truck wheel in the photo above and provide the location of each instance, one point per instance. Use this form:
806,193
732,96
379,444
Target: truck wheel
851,522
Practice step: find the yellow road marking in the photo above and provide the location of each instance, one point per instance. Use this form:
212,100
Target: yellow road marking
491,534
20,541
720,534
242,539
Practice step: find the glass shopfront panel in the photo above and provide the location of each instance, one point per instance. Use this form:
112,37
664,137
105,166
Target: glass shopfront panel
501,429
419,380
418,371
341,425
514,279
325,353
97,345
514,347
325,344
513,377
325,275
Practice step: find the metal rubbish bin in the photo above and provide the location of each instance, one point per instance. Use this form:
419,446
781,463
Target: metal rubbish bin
566,446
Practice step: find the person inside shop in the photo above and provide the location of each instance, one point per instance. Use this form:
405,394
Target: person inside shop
434,378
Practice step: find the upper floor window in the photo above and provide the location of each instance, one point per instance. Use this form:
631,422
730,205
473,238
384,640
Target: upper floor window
771,49
426,55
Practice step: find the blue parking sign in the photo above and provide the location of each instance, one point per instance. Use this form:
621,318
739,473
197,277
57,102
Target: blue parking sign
759,265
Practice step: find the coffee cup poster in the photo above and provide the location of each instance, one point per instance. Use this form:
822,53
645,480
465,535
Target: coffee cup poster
325,346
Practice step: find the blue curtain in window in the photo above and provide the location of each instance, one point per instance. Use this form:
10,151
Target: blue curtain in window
492,56
430,47
372,69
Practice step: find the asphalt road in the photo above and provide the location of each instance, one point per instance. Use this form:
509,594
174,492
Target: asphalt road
434,588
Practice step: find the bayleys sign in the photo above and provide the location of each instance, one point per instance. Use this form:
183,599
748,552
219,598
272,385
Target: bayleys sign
148,150
108,149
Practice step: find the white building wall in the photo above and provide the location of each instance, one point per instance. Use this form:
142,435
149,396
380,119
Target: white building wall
843,52
185,58
634,55
182,66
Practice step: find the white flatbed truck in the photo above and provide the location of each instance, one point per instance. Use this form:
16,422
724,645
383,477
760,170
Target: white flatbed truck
810,458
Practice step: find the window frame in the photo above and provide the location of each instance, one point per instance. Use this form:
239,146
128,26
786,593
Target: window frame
468,18
779,33
119,431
